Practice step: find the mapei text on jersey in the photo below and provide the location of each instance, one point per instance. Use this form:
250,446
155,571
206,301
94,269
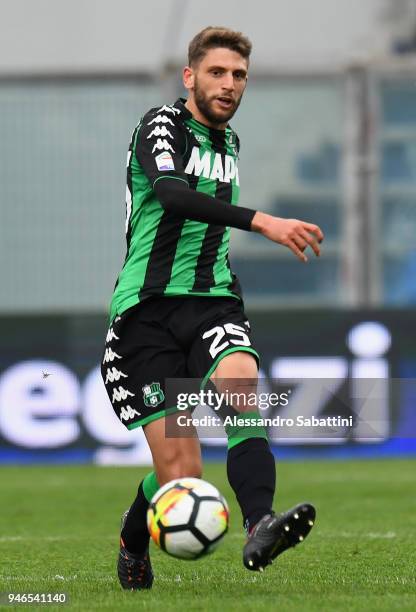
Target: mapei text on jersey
211,166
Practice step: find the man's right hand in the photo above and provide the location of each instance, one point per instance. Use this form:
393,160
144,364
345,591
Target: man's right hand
292,233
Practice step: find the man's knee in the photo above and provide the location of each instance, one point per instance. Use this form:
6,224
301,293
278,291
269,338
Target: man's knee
237,375
236,365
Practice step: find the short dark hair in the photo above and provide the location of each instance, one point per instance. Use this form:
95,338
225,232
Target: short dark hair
213,37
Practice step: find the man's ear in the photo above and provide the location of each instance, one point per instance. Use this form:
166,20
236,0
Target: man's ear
188,77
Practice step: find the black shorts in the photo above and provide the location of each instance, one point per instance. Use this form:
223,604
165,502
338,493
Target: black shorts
168,337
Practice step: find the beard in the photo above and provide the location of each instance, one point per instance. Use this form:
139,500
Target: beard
205,107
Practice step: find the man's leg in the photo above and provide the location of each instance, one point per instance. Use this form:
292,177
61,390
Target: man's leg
251,472
140,352
172,458
251,467
134,535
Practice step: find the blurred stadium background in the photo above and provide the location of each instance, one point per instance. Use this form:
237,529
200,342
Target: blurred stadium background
328,131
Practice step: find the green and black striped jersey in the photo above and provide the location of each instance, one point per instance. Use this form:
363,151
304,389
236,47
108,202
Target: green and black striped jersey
168,255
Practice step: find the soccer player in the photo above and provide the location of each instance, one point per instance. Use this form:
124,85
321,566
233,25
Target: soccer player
177,310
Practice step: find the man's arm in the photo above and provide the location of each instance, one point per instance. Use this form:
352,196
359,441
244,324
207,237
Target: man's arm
158,148
176,196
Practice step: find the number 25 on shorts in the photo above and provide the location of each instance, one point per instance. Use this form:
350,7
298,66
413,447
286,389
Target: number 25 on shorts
220,331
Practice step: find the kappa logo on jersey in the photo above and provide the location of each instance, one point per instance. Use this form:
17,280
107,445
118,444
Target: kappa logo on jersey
161,119
160,131
110,355
164,161
162,144
200,137
127,413
121,394
152,394
210,165
113,374
169,109
111,335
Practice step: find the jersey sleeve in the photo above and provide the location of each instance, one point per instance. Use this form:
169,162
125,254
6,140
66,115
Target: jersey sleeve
160,143
178,198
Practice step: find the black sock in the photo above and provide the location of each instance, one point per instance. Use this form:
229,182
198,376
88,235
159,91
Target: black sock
135,534
251,473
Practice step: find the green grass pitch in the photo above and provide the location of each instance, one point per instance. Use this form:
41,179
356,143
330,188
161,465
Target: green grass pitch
59,533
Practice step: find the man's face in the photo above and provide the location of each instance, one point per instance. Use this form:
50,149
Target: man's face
217,84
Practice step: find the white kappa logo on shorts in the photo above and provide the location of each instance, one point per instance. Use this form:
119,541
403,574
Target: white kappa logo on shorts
127,413
121,394
113,374
111,335
110,355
